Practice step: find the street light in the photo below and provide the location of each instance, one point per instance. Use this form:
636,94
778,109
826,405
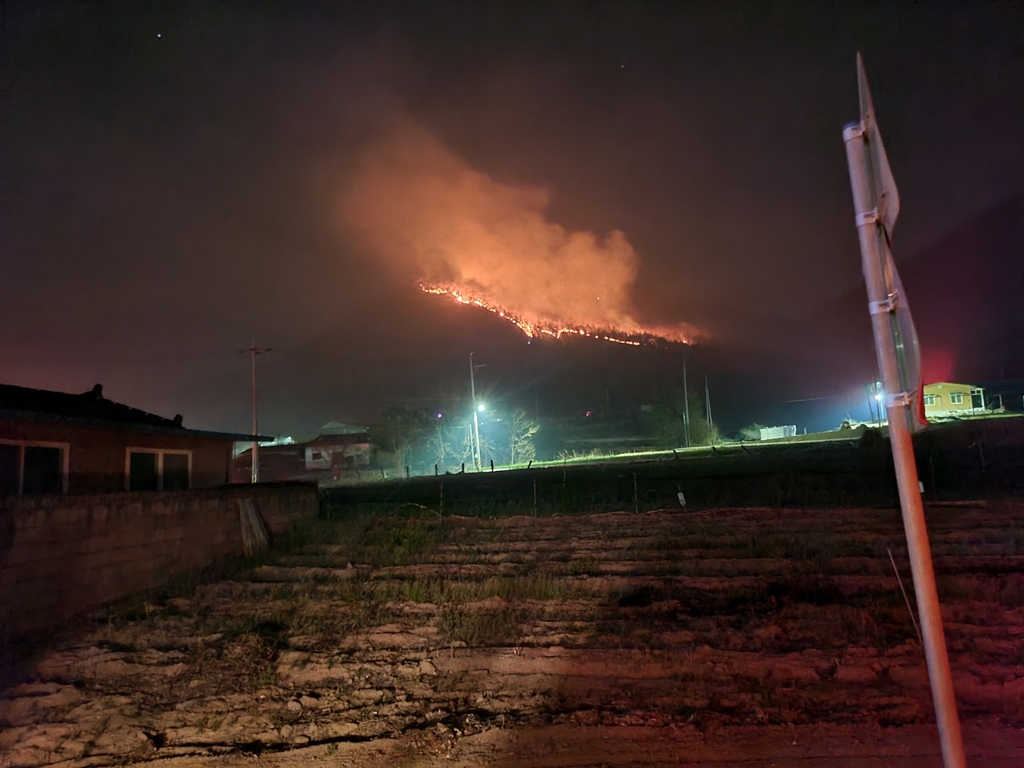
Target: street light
878,401
479,408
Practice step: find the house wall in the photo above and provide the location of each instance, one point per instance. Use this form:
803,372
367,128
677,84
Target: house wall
277,463
62,555
333,456
943,390
96,459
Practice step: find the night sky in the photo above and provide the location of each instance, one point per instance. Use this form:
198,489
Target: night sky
176,176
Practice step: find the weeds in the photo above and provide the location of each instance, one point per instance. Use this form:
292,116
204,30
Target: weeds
266,678
444,590
481,627
756,581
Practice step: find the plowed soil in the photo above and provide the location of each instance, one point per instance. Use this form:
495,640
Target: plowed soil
746,637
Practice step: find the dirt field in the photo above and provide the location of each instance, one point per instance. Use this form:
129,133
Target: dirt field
726,637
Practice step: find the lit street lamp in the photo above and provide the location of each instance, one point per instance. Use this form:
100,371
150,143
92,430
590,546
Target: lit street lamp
477,409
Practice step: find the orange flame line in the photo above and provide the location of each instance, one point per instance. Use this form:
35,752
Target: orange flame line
533,330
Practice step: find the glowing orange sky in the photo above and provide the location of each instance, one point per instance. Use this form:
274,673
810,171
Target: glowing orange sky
455,230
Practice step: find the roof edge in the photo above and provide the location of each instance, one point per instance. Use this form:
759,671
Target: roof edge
120,426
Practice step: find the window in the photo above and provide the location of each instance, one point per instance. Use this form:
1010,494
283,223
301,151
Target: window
929,400
151,469
143,471
29,468
10,470
42,470
176,471
956,398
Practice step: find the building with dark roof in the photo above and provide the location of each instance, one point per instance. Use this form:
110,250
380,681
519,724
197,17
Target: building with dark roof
56,442
339,452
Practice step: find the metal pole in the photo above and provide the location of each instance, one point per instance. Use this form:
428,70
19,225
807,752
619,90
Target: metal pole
255,420
686,408
707,402
896,404
253,351
476,421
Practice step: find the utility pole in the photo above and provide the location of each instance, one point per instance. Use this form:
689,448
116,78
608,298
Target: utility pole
476,420
707,404
686,407
253,351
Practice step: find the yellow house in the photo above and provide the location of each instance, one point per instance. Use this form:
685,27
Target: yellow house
945,399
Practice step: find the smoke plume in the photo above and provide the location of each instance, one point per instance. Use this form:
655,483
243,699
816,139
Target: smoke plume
414,203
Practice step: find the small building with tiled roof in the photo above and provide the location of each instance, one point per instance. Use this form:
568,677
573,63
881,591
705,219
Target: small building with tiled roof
58,442
340,451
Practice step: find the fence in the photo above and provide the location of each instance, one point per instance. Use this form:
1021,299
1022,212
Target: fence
956,461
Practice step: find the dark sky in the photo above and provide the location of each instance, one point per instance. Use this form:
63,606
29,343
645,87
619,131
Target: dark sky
171,175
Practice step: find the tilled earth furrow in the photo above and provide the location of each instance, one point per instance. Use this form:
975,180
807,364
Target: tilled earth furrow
442,631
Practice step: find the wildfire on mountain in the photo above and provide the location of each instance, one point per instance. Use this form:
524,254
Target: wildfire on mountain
414,205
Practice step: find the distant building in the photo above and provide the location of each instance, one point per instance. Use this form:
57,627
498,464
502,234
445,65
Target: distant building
944,400
777,433
56,442
340,451
1004,395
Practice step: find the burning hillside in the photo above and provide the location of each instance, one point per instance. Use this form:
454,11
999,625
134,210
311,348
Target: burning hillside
416,205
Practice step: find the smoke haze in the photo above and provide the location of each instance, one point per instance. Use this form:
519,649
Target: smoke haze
433,218
178,176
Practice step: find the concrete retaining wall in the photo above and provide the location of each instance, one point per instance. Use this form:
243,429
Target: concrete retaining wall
60,556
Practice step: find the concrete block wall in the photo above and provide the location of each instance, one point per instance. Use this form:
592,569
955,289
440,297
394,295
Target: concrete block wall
60,556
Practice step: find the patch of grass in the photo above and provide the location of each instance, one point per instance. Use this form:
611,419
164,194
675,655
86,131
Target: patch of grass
402,544
536,587
267,677
389,539
442,591
583,566
410,590
282,592
480,628
338,621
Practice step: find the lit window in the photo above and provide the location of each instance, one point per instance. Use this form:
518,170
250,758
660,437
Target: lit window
929,400
156,470
956,398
